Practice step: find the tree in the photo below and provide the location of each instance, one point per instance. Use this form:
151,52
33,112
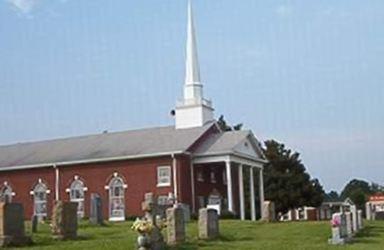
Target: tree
225,127
286,181
332,196
359,190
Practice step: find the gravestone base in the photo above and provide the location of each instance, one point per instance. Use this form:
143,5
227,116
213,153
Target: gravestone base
336,237
6,241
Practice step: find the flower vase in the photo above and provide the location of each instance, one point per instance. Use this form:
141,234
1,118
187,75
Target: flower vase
143,242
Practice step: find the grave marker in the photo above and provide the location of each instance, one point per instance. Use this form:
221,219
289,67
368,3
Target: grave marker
208,223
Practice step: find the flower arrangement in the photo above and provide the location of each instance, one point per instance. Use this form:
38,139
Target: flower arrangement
335,222
142,226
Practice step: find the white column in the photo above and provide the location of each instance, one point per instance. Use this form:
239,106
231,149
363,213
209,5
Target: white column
241,192
252,194
261,191
229,186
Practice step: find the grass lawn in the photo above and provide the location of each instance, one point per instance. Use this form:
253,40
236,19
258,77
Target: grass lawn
235,235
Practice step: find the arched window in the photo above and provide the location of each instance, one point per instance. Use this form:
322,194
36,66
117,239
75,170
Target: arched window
116,199
40,200
76,194
6,193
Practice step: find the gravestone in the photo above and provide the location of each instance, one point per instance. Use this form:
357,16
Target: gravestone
34,222
348,217
360,219
153,214
96,213
378,215
186,211
175,225
64,220
208,223
336,237
269,213
12,230
343,225
354,218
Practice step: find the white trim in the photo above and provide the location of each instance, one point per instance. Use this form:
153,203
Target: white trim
86,161
57,183
252,194
174,166
241,192
229,186
261,192
235,156
169,177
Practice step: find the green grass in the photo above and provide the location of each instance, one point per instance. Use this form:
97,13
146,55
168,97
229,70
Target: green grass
235,235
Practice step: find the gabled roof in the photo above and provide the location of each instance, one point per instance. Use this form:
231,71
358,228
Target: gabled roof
143,142
231,142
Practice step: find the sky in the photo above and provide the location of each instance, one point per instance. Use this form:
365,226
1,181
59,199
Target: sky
306,73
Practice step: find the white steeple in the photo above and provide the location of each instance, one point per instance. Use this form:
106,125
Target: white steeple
193,110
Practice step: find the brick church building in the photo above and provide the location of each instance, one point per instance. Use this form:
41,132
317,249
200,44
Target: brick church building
192,162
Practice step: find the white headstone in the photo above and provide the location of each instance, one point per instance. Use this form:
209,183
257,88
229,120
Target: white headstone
348,217
360,219
354,218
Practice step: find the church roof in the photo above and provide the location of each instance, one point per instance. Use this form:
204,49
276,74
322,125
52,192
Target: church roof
231,142
134,143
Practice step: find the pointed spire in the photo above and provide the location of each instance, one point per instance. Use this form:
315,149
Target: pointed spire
192,74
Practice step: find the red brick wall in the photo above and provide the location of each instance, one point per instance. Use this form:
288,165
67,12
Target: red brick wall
139,175
23,182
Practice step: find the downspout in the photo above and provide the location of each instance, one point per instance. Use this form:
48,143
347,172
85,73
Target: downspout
174,170
57,182
193,186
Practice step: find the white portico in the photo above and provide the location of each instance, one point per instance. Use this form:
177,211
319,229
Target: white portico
240,152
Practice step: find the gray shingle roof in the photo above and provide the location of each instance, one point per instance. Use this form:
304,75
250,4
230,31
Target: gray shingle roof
119,144
224,142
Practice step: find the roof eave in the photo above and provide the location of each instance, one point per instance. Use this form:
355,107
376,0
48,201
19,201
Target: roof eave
88,161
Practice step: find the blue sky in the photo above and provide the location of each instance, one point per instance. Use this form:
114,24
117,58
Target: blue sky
307,73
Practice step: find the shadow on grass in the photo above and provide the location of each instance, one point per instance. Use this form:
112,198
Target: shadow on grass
368,235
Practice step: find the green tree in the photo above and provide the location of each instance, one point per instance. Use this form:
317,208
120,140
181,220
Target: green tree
332,196
286,181
358,191
225,127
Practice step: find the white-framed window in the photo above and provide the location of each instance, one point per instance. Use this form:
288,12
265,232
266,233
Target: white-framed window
116,199
162,200
213,176
76,194
224,177
39,193
200,175
6,193
164,176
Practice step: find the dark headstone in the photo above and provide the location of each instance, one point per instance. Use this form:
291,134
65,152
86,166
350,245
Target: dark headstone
96,213
379,215
64,220
208,223
34,222
12,230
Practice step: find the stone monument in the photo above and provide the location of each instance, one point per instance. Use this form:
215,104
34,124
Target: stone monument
12,230
96,213
64,220
354,218
208,223
175,225
360,219
153,214
269,214
348,217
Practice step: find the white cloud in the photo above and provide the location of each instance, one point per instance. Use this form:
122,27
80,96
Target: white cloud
24,6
